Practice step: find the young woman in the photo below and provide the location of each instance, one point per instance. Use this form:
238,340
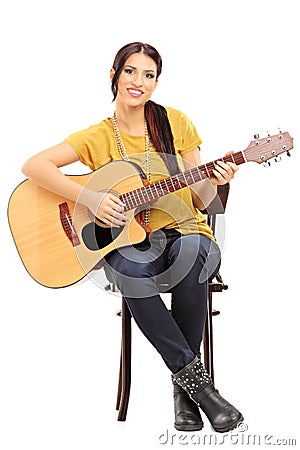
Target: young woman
180,248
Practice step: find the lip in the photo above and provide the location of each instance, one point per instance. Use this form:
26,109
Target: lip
135,92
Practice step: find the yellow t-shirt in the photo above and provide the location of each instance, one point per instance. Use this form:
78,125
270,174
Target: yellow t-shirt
96,146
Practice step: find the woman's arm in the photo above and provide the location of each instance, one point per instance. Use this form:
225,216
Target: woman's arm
205,191
43,169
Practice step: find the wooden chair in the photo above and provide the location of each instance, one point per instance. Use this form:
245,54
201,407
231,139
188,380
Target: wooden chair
217,207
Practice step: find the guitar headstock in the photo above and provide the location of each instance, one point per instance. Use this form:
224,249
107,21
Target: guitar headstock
261,150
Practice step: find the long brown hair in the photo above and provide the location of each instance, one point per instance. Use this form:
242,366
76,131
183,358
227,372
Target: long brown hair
156,115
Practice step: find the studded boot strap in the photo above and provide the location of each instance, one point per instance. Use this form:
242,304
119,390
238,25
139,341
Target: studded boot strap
193,378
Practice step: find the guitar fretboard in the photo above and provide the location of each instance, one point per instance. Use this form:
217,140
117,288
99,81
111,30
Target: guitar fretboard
153,191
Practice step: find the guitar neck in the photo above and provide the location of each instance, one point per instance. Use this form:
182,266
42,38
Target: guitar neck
153,191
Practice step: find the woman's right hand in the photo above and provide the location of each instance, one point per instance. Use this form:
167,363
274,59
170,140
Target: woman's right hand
106,207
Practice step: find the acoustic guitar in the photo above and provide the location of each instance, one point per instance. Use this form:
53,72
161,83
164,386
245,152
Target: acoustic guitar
60,241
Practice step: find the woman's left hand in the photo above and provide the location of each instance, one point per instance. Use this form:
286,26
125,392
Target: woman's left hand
223,172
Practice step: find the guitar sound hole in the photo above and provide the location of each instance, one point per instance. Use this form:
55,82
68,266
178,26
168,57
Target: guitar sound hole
95,237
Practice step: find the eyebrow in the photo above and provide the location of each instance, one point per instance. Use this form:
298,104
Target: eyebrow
146,70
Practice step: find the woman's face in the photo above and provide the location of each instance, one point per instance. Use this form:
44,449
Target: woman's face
137,80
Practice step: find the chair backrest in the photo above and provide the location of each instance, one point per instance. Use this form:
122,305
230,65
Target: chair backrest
217,206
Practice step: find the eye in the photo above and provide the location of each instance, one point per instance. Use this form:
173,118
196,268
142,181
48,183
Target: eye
149,75
129,71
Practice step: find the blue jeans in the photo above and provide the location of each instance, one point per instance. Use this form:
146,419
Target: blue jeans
184,263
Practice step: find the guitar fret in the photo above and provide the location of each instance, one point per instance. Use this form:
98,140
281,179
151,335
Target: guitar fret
199,173
139,194
243,156
209,168
161,188
156,190
148,192
191,172
173,186
178,180
170,185
190,177
166,185
183,174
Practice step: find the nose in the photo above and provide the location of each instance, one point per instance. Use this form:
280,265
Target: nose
138,81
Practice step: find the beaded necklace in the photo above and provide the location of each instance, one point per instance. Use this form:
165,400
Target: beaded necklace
123,152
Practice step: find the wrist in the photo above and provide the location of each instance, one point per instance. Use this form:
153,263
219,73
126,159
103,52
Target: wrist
90,199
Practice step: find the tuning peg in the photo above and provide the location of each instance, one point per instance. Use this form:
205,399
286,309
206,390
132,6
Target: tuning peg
276,157
256,136
266,164
288,153
268,133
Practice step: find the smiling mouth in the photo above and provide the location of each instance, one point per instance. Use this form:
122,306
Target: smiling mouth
134,92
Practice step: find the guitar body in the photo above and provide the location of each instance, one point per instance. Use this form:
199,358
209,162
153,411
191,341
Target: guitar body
58,240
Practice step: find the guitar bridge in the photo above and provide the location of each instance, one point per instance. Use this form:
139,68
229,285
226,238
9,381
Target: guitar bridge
66,221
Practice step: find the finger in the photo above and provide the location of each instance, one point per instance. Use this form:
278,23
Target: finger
233,166
224,170
116,223
110,204
118,208
116,200
230,168
220,179
231,152
111,217
112,221
225,167
119,216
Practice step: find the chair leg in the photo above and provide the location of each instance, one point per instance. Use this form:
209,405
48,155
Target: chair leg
119,383
208,339
125,365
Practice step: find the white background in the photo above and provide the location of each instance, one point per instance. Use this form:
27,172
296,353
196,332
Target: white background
233,67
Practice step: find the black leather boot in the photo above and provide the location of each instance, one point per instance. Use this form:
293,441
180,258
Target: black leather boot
195,380
187,414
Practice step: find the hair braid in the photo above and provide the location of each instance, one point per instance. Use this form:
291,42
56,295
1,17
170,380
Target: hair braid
161,134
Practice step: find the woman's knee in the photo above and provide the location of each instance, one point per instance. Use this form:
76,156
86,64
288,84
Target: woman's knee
129,268
134,279
191,247
195,254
